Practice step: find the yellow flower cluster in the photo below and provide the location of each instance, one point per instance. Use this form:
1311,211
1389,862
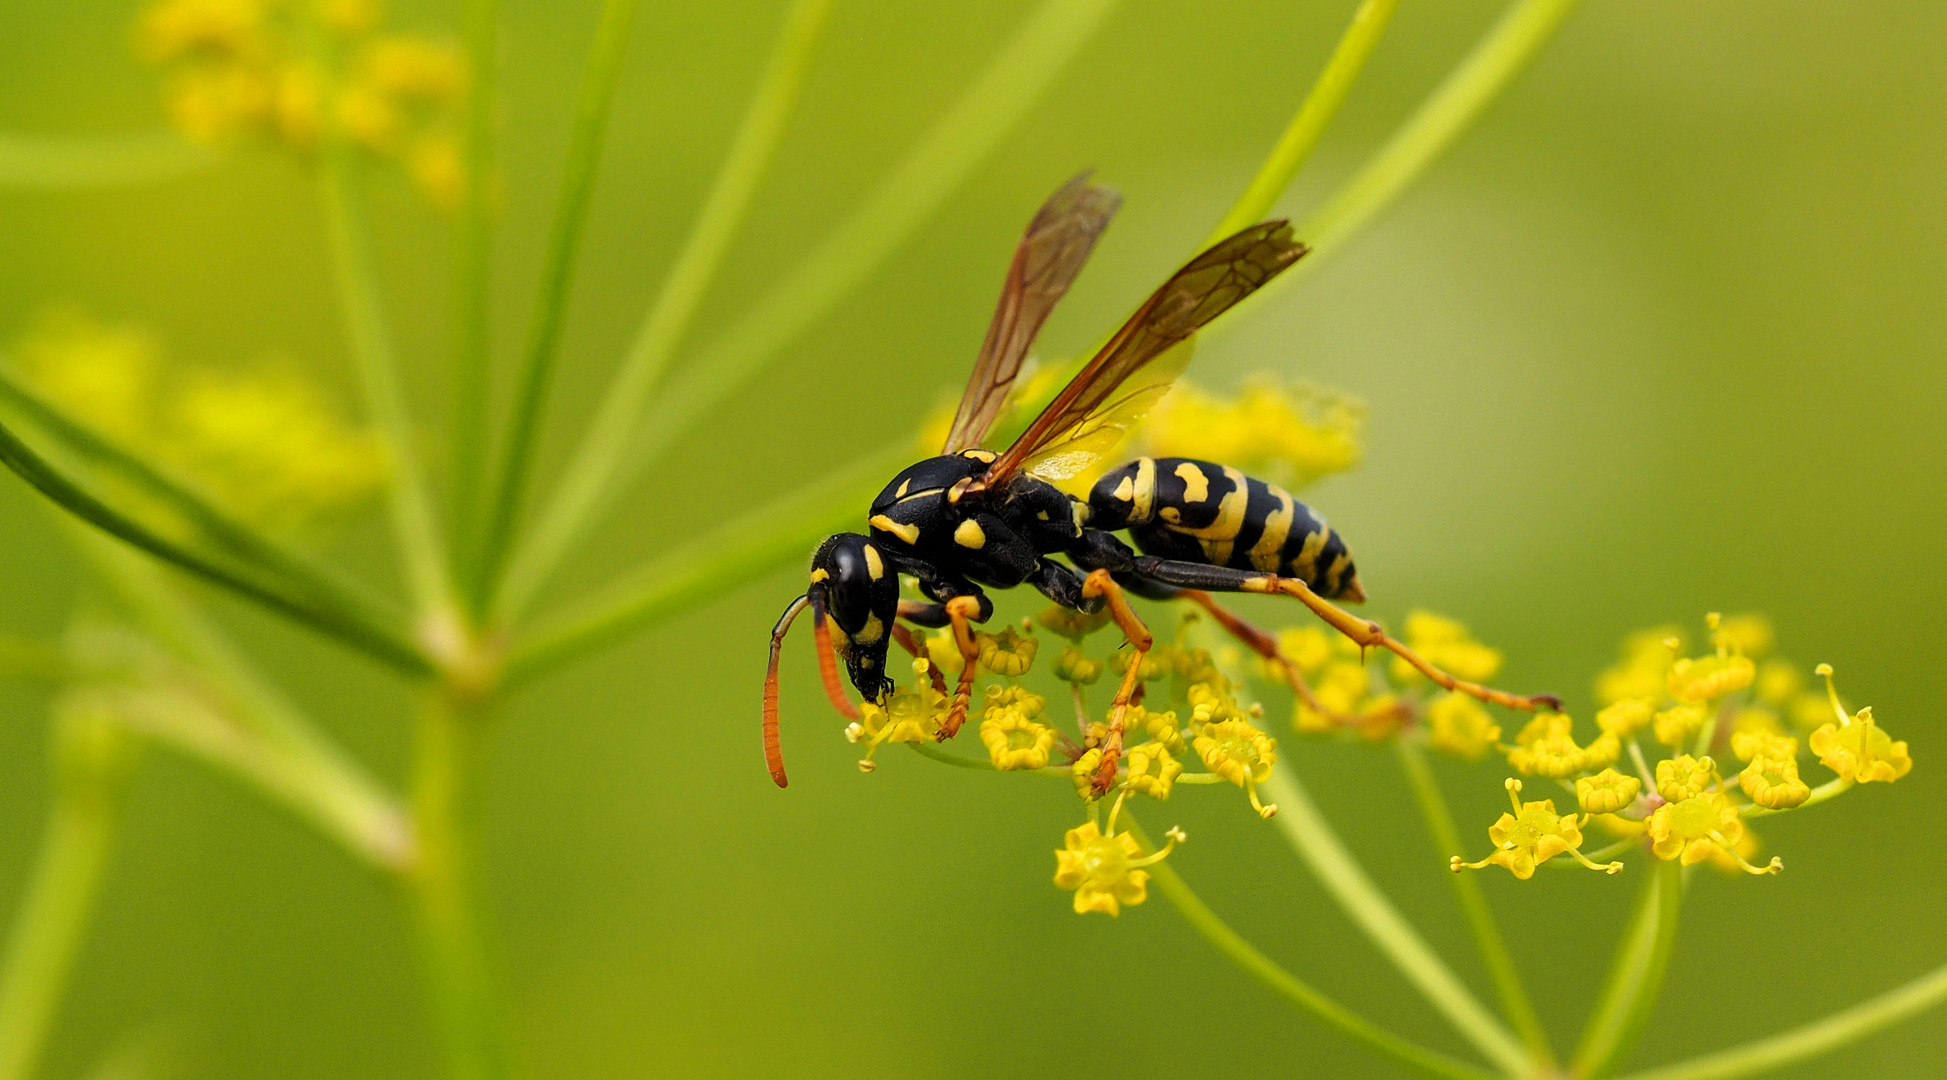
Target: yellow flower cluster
263,442
1290,434
243,68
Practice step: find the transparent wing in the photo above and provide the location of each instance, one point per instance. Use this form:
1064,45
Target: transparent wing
1051,253
1086,420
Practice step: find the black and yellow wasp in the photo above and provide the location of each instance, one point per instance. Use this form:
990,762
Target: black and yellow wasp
973,519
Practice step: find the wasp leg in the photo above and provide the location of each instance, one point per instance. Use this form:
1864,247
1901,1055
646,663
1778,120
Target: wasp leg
905,639
959,611
1367,633
1265,645
1100,583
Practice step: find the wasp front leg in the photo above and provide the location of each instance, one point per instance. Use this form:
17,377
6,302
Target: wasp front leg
959,613
1100,585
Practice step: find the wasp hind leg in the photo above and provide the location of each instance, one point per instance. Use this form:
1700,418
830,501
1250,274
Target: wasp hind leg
1369,634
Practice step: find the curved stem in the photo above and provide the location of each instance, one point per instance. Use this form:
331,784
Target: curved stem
551,303
376,641
1634,981
467,446
1311,119
1288,986
989,107
1369,909
1810,1040
459,979
617,422
371,351
78,161
1467,891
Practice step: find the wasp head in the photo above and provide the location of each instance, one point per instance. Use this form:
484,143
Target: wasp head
853,585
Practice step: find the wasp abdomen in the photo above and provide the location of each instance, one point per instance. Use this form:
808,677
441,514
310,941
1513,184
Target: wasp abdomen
1199,511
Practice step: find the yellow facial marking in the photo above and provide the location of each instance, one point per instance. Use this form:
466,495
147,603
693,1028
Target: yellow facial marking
970,535
818,576
871,632
1145,493
874,565
1196,486
1268,552
908,533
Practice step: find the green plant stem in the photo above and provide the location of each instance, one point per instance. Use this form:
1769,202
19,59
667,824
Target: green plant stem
617,421
1320,847
467,447
1810,1040
1515,1003
321,583
376,641
1452,107
92,161
53,914
704,568
991,105
551,302
1288,986
1312,118
460,984
1637,975
372,356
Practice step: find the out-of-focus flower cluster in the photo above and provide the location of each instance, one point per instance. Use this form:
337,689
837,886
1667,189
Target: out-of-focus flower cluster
1288,433
262,441
284,70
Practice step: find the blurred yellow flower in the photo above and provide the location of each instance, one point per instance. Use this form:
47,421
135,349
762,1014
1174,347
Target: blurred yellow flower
1445,643
1546,747
1626,717
1861,751
1073,625
1007,653
1708,677
1679,724
1291,434
1606,792
1459,725
1073,667
1640,673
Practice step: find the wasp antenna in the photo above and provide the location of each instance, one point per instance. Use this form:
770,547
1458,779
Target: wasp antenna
773,744
827,659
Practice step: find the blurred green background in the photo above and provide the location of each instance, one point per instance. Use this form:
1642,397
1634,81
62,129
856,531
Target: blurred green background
1663,335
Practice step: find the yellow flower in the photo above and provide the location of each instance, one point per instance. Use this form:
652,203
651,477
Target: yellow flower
1679,724
1152,771
1307,647
1073,625
437,169
1156,663
1445,643
1639,674
1750,634
1027,702
1626,717
1773,782
1708,677
1684,777
174,28
1160,726
1861,751
1342,688
1007,653
1698,828
1082,772
1545,747
1607,791
1459,725
1605,751
1778,682
1749,745
1291,434
103,375
907,716
1241,754
1105,872
1014,741
413,68
211,104
1533,834
944,653
1073,667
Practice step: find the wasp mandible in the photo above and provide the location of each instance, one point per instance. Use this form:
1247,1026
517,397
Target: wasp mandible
973,519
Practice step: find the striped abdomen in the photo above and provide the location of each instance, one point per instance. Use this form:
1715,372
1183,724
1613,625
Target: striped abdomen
1198,511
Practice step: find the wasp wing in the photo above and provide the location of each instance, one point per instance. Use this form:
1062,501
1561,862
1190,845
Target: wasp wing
1051,253
1085,421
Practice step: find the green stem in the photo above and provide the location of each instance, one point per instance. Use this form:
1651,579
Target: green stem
618,420
465,1005
321,583
991,105
1311,119
68,161
472,283
1315,841
1288,986
1637,976
61,891
371,351
551,302
1454,105
704,568
1515,1002
377,641
1810,1040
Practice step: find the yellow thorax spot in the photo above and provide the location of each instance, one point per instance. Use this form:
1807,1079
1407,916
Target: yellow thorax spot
970,535
903,485
908,533
985,457
1145,489
874,565
1196,486
818,576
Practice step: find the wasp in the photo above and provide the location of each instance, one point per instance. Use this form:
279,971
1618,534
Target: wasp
974,519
